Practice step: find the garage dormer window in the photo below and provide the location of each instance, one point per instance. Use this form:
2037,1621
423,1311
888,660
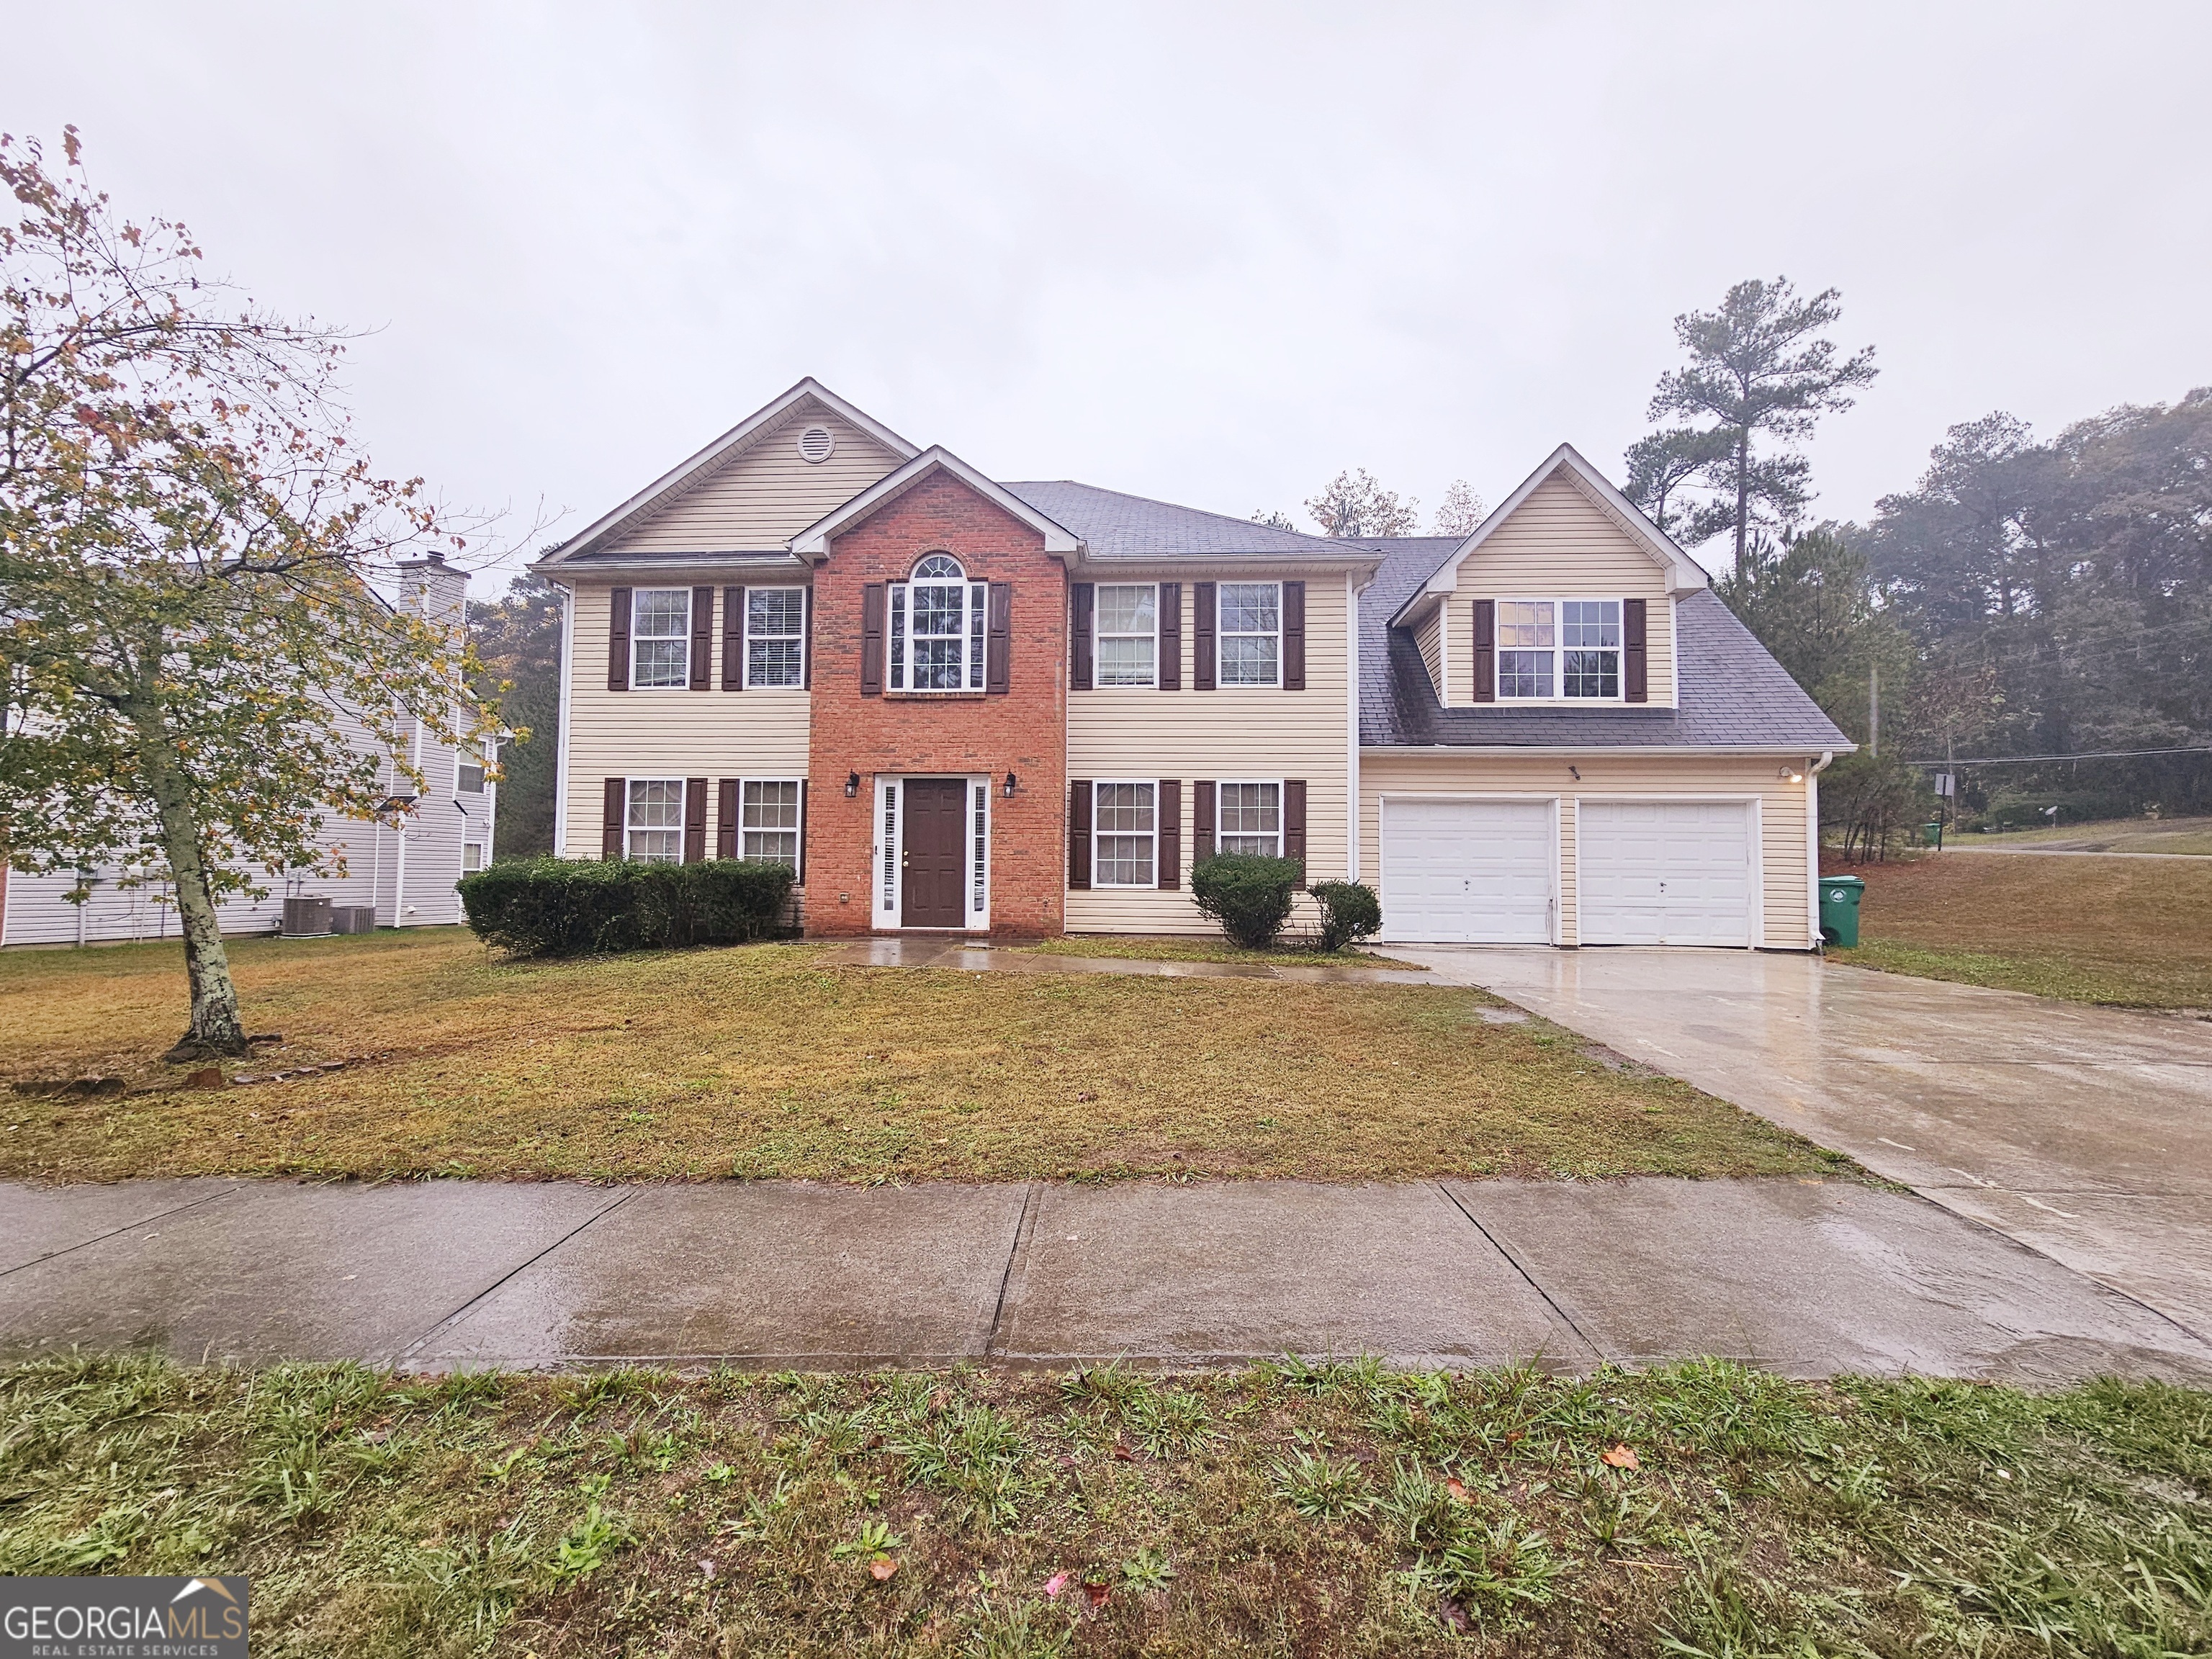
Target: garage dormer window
1552,648
935,636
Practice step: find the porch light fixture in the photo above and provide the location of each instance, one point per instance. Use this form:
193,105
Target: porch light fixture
852,784
1013,784
1792,774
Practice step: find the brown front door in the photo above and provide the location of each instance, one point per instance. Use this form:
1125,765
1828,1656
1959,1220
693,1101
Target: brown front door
936,826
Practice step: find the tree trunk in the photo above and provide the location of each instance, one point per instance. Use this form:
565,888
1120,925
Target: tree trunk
215,1028
1742,496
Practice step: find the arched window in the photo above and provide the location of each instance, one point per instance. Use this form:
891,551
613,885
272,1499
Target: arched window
936,632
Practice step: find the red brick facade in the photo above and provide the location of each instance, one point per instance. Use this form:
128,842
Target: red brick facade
1022,731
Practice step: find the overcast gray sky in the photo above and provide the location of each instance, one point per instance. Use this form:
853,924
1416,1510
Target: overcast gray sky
1210,253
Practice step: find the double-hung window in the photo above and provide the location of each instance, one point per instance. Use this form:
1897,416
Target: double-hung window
1251,818
769,820
653,827
935,635
1251,634
1128,634
1549,648
472,857
1124,835
776,636
469,778
661,638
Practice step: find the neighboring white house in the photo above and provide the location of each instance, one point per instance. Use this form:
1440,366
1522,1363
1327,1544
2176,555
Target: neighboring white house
407,873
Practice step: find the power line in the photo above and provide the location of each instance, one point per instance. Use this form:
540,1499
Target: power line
2104,754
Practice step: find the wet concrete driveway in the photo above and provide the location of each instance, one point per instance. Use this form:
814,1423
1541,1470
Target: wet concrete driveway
1808,1278
2085,1132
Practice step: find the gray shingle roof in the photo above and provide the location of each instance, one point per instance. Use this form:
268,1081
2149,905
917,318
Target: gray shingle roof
1117,527
1733,694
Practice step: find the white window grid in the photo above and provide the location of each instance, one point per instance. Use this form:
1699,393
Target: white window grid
934,638
979,895
1125,618
1558,650
890,849
775,637
1249,817
768,819
1124,834
1248,633
652,824
660,639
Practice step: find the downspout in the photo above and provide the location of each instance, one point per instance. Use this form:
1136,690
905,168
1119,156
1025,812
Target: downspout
1351,729
1812,842
561,738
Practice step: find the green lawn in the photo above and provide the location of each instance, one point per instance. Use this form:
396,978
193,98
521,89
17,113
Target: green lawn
1702,1509
2128,932
770,1060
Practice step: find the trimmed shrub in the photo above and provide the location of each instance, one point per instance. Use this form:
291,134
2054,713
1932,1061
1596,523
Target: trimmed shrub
1349,912
1248,894
573,907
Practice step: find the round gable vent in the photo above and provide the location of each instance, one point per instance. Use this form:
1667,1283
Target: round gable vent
816,445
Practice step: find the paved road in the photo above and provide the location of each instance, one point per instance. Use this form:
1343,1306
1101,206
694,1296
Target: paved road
1810,1278
2086,1132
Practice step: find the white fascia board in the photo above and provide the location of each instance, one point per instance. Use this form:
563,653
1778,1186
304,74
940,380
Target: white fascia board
1363,565
1617,751
1684,574
774,562
812,543
736,438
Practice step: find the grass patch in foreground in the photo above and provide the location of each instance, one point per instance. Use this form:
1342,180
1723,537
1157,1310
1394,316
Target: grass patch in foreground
763,1061
2128,932
1703,1510
1181,947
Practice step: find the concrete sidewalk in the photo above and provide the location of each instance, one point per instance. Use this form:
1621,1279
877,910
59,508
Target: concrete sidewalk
1808,1278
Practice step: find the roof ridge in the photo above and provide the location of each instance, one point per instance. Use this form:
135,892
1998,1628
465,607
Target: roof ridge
1202,511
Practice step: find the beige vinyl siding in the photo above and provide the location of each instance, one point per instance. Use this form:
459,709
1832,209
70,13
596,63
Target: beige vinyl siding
667,734
764,495
1235,733
1785,885
1558,545
1430,637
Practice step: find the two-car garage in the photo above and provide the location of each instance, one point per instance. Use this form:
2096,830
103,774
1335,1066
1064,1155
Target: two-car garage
1477,869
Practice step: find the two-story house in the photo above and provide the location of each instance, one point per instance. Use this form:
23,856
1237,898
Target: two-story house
958,705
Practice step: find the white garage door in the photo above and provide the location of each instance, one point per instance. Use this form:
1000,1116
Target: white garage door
1664,873
1467,872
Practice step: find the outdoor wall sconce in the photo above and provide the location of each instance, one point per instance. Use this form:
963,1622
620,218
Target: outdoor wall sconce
852,784
1792,774
1013,784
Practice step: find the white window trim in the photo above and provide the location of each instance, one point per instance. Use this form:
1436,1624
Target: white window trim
1559,649
460,760
887,850
1124,886
746,640
1220,681
898,609
1221,783
683,813
1098,637
797,832
636,594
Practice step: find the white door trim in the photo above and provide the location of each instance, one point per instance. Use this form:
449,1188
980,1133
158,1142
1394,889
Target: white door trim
887,853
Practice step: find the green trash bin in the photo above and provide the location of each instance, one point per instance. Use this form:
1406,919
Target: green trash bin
1931,833
1839,909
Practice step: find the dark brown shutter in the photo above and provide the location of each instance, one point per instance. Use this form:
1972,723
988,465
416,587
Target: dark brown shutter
1171,675
998,638
694,820
1201,820
1294,636
1079,832
734,639
1635,661
1294,823
1485,651
702,638
807,655
1169,819
725,820
1201,659
610,822
1084,596
798,875
618,639
872,639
